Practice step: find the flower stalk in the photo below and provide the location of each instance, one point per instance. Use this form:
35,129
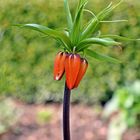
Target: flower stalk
66,113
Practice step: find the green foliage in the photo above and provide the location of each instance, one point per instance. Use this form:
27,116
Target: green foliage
44,116
126,104
76,39
26,58
101,56
126,101
60,36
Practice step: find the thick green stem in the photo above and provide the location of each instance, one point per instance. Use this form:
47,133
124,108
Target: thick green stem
66,113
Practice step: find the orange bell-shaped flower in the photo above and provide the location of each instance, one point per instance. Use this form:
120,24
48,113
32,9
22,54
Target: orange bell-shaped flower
59,67
72,67
82,71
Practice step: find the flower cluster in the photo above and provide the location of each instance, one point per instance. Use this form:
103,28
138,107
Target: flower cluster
73,65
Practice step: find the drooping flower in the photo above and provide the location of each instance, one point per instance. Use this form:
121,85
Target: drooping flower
72,67
82,71
59,67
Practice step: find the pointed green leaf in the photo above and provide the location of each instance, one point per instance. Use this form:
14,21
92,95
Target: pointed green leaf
90,28
121,38
68,13
50,32
103,14
113,21
79,5
76,31
90,12
101,41
101,57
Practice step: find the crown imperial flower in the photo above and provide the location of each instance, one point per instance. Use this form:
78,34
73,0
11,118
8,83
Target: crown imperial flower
74,66
82,71
77,39
59,65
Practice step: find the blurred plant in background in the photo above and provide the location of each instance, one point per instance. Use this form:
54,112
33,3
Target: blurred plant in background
9,115
26,61
44,116
126,104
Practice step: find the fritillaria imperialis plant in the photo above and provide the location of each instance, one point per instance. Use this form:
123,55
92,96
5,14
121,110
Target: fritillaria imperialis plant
76,42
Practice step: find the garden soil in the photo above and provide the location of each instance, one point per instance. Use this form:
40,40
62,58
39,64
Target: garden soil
86,124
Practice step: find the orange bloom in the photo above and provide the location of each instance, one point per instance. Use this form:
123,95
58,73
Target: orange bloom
59,67
72,67
83,68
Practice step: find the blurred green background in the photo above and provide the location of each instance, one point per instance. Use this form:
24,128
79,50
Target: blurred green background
26,57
